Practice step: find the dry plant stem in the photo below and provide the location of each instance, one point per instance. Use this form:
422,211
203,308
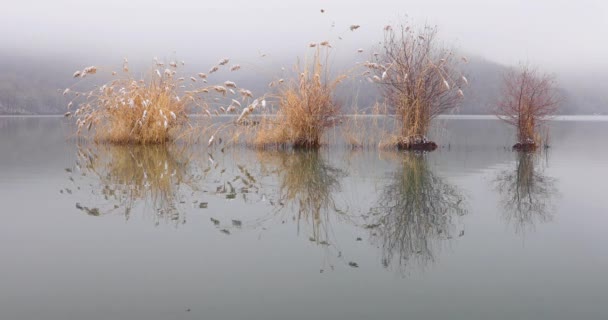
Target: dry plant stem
306,108
528,99
149,110
365,128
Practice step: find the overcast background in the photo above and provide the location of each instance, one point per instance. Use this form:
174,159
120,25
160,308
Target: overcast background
568,38
554,33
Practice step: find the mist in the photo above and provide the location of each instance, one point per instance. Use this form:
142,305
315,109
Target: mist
554,34
46,41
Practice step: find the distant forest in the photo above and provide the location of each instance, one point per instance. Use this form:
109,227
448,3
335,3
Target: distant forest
31,85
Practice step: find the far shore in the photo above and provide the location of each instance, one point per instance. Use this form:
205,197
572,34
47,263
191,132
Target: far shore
578,117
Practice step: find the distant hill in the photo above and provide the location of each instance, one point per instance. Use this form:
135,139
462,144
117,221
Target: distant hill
29,85
33,85
585,92
485,79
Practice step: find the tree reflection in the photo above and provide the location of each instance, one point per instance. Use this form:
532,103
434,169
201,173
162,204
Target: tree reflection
307,185
415,212
126,176
526,193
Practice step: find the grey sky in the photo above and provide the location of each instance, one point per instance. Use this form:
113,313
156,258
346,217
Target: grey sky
552,33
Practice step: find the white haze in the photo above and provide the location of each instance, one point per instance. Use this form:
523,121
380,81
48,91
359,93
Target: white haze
555,34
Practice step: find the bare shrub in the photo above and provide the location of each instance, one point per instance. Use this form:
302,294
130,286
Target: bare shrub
528,99
419,80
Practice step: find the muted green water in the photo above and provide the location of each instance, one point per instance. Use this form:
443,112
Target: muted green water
470,231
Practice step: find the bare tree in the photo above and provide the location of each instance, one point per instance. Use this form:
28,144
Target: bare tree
528,98
419,80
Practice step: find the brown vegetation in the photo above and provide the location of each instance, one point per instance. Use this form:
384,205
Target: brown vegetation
149,110
528,99
419,80
306,107
365,128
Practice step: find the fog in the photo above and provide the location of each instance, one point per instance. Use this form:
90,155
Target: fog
555,34
43,42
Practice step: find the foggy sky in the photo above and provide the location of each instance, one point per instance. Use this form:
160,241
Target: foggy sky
555,34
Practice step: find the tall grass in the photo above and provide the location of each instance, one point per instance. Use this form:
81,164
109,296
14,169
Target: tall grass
365,128
152,109
306,107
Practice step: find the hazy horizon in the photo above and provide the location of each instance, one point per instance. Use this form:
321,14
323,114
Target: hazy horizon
559,36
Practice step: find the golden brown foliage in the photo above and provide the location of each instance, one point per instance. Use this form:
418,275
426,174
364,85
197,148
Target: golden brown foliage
149,110
306,107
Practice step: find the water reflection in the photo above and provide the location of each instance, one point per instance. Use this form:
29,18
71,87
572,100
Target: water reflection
157,177
414,213
526,193
306,188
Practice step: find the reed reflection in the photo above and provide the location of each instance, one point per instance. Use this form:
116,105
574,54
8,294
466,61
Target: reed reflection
415,213
306,188
159,178
526,193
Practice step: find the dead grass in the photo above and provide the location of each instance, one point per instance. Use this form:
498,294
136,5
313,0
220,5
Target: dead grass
152,109
306,107
365,128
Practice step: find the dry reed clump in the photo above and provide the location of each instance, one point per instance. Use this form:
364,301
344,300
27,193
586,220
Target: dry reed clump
306,107
150,110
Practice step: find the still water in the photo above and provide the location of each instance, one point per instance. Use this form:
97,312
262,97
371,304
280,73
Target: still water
470,231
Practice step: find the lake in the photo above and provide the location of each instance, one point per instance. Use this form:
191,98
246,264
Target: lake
469,231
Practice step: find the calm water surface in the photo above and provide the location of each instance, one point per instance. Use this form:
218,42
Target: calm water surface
470,231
